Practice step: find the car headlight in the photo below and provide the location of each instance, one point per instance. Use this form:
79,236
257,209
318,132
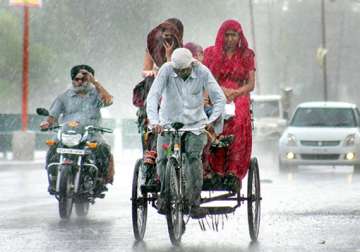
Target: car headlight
291,140
70,140
349,140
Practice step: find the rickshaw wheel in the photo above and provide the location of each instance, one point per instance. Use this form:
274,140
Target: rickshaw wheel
139,203
174,216
253,199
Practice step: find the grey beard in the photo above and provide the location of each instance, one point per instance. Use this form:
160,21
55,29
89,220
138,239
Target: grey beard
85,88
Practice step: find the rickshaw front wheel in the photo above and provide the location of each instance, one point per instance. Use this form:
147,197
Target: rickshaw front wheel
139,202
174,216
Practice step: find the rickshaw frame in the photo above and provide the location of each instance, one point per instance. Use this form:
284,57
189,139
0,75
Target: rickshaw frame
144,195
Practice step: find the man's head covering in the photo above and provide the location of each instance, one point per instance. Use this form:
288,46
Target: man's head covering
181,58
76,69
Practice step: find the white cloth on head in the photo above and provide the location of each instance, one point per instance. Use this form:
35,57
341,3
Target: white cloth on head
181,58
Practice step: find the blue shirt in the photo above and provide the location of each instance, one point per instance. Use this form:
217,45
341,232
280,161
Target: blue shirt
183,101
83,108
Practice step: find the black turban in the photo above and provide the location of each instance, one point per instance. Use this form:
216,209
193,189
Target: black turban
76,69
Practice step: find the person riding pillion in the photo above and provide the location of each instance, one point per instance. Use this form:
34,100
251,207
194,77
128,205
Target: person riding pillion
82,102
178,90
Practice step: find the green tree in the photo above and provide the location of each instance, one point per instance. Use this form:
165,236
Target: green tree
10,51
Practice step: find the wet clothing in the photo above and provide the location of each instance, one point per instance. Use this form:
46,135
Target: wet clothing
182,101
155,41
85,109
232,73
72,106
193,147
156,50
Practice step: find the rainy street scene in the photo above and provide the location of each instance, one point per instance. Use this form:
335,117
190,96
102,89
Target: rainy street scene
183,125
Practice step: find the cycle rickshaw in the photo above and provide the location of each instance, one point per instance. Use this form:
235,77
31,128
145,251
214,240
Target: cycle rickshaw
144,195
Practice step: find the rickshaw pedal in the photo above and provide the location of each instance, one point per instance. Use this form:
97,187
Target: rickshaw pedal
198,212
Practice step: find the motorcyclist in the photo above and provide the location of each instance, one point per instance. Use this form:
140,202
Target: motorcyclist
82,103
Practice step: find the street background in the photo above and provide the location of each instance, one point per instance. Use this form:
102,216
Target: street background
311,209
110,35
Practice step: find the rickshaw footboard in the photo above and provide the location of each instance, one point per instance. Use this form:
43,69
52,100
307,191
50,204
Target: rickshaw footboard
220,210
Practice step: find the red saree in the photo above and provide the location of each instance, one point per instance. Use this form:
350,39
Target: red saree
232,73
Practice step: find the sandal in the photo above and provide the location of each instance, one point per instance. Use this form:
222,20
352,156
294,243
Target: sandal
150,157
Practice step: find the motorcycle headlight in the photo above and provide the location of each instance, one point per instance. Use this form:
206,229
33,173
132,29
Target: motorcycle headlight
291,140
349,140
70,140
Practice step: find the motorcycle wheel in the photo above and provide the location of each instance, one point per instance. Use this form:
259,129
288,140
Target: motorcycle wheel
82,208
65,199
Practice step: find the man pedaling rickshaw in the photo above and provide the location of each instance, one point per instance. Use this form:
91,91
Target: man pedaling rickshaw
178,89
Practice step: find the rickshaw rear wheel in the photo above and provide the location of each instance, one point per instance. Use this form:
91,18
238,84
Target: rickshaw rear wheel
139,203
253,199
174,216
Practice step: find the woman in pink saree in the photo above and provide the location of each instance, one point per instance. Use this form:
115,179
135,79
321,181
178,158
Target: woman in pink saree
233,65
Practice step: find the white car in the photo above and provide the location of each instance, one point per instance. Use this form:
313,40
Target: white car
321,133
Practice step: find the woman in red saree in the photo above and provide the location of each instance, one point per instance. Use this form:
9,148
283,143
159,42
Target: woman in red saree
233,65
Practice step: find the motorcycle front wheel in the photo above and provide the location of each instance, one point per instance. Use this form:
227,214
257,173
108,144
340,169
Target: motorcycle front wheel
65,191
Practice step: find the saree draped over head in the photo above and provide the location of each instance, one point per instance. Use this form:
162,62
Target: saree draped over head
233,72
157,52
155,40
156,49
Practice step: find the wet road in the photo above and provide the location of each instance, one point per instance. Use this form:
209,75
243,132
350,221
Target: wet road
313,209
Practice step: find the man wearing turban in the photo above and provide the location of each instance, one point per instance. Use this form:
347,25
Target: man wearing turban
82,102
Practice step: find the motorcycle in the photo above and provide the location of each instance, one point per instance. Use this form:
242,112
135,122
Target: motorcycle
76,173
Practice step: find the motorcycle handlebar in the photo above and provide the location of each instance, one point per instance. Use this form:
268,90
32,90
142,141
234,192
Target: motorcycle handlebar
99,129
89,128
50,128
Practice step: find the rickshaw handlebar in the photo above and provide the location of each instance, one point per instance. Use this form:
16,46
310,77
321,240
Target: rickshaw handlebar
184,129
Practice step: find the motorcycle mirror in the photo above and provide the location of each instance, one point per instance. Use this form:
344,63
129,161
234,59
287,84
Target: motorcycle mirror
107,130
42,111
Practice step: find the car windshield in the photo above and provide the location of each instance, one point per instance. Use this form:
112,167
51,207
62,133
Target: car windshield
324,117
266,109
